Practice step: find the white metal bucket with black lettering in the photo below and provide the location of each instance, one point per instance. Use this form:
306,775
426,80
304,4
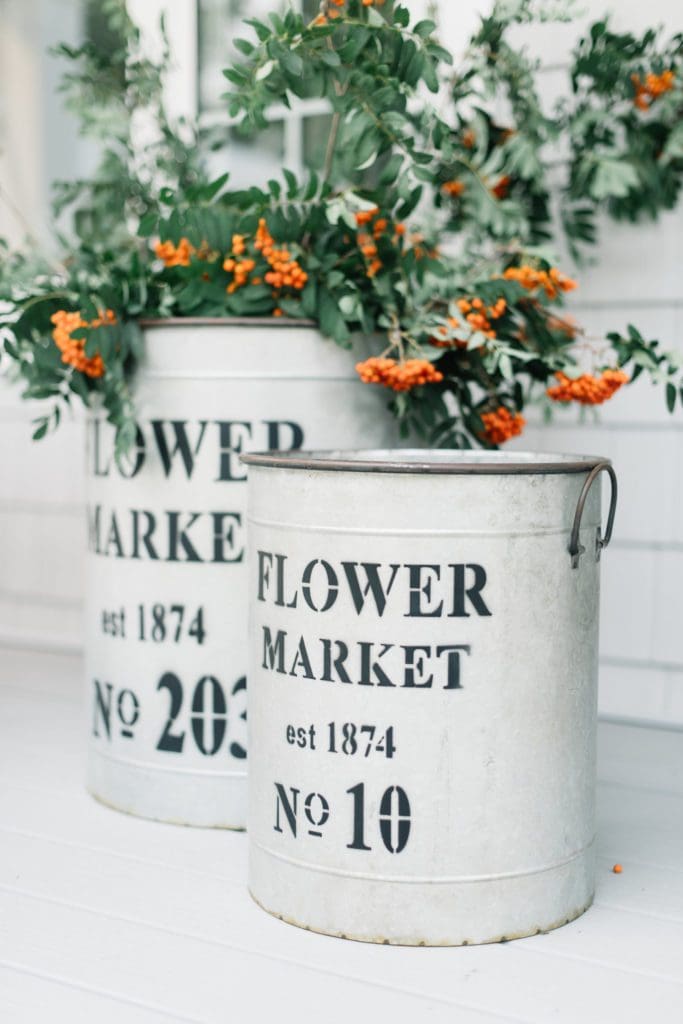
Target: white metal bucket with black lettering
422,707
166,603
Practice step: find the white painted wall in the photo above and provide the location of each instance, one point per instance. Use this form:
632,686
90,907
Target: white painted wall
41,531
637,277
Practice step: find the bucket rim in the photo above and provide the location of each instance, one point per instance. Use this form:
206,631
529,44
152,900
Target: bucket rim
426,461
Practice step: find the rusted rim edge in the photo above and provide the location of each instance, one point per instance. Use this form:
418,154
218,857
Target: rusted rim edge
226,321
317,461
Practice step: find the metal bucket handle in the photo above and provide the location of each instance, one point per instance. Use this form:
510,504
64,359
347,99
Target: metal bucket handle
575,548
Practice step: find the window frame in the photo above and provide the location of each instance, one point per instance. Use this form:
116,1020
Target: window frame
182,83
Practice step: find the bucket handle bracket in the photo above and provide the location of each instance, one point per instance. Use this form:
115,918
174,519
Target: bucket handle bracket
576,549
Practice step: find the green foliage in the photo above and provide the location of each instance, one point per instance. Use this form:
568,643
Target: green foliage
419,154
626,142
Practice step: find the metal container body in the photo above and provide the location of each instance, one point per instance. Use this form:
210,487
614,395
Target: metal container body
422,710
166,602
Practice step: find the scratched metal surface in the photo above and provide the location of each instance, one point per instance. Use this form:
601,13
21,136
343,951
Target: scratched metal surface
107,918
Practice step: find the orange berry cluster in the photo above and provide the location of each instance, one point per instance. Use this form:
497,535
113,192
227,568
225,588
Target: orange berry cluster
552,281
322,19
285,271
453,188
398,376
367,240
239,268
651,88
479,317
501,425
587,389
73,349
175,256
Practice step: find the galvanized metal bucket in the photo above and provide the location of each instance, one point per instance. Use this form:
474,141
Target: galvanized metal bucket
166,602
422,707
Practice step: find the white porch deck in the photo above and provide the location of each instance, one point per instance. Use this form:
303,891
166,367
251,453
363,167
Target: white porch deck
105,918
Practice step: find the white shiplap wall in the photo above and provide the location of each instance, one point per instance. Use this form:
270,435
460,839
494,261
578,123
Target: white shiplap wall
41,485
637,277
42,529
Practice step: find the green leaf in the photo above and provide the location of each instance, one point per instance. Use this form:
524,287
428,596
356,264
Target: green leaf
244,46
358,37
148,224
11,349
671,395
673,148
614,178
40,430
375,18
235,76
424,28
265,70
401,16
330,317
262,31
331,58
291,61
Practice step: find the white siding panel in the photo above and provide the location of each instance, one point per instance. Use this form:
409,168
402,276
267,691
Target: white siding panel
42,554
627,604
46,473
636,693
641,260
668,607
673,708
40,624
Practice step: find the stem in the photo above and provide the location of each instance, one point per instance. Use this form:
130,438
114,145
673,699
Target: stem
331,144
340,90
42,298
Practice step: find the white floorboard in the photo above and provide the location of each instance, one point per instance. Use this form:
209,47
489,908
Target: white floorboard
107,918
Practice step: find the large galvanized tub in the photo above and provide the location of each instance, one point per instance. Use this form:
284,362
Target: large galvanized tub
422,708
166,602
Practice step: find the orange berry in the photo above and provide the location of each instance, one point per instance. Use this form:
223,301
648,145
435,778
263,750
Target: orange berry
453,188
501,188
365,216
501,425
175,256
552,281
587,389
398,376
73,349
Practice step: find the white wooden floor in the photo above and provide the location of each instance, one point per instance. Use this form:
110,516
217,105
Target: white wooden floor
104,918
